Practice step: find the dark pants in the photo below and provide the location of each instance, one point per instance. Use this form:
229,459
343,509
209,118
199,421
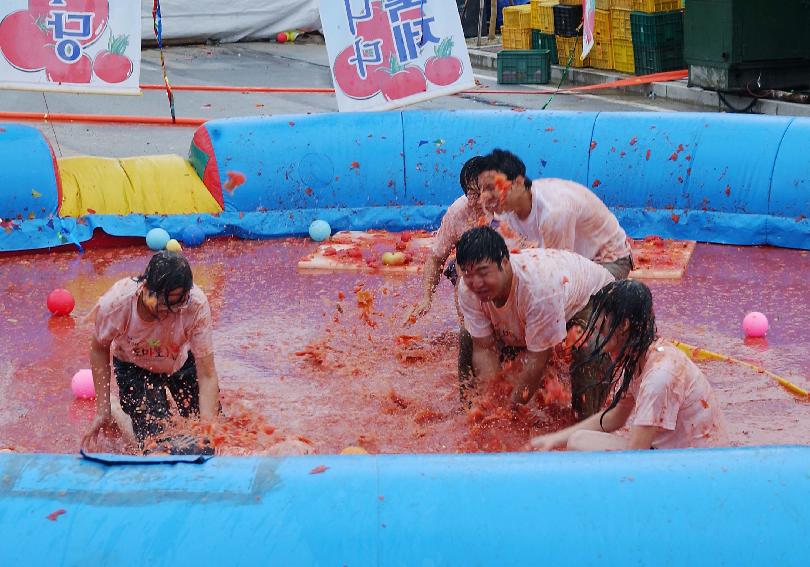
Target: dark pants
620,268
143,395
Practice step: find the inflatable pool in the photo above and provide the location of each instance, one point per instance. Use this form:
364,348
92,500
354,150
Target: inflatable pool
713,178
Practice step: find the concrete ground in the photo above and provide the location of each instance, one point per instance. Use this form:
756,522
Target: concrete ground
256,64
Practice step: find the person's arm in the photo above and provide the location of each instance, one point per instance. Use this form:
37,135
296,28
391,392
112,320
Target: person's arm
100,365
530,376
614,419
431,273
641,436
485,358
208,381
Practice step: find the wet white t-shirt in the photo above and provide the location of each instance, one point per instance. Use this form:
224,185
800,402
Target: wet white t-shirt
567,216
548,288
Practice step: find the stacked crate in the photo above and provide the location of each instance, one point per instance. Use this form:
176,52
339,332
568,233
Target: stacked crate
542,20
516,31
568,37
523,59
601,54
621,36
657,38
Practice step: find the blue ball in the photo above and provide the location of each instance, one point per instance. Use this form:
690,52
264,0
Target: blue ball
192,235
320,230
157,238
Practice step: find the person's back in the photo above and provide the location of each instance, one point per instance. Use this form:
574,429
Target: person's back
577,220
672,394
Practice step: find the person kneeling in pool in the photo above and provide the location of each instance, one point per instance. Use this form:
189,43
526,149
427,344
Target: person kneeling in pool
659,391
157,329
552,213
527,302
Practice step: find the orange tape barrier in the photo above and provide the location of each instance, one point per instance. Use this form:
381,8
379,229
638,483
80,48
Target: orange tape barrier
167,121
641,80
105,118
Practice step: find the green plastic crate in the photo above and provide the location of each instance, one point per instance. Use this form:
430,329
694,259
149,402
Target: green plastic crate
532,66
660,29
541,40
650,60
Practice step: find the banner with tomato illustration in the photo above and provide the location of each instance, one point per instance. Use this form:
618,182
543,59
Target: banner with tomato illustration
390,53
71,45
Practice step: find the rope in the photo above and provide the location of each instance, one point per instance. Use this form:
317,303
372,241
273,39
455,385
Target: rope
697,353
157,24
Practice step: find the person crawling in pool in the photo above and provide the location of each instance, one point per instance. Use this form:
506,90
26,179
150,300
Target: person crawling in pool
658,391
520,306
156,330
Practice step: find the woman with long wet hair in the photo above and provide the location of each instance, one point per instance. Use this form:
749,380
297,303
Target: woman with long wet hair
657,390
155,332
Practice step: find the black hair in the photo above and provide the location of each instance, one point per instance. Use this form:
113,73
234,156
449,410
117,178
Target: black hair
620,301
165,272
505,162
479,244
468,178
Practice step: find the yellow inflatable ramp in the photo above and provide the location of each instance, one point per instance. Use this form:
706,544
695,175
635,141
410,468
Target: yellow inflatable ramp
148,185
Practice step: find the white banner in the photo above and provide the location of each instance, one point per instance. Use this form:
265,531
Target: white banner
588,16
390,53
71,45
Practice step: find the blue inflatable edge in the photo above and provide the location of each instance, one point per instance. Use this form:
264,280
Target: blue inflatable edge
680,175
736,506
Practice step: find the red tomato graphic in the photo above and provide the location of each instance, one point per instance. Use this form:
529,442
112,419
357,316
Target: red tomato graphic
403,83
23,42
443,69
78,72
41,10
350,82
112,65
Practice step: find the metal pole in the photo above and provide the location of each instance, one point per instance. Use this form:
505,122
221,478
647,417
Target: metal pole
480,21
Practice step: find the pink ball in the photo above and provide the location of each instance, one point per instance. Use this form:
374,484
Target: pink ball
281,37
755,325
60,302
82,385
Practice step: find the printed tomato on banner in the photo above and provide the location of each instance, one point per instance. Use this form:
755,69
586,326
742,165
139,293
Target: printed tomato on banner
393,52
54,42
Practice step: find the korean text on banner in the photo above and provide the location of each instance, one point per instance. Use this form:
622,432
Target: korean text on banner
390,53
71,45
588,16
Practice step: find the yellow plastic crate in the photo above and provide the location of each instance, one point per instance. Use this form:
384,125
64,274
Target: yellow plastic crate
655,5
565,45
601,25
601,55
621,4
623,56
542,15
570,2
516,38
603,4
525,16
620,24
518,16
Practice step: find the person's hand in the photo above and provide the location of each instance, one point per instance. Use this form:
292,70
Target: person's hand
419,310
549,442
102,424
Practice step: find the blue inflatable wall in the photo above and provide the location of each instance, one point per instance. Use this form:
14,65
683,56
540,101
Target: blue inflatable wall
694,507
708,177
